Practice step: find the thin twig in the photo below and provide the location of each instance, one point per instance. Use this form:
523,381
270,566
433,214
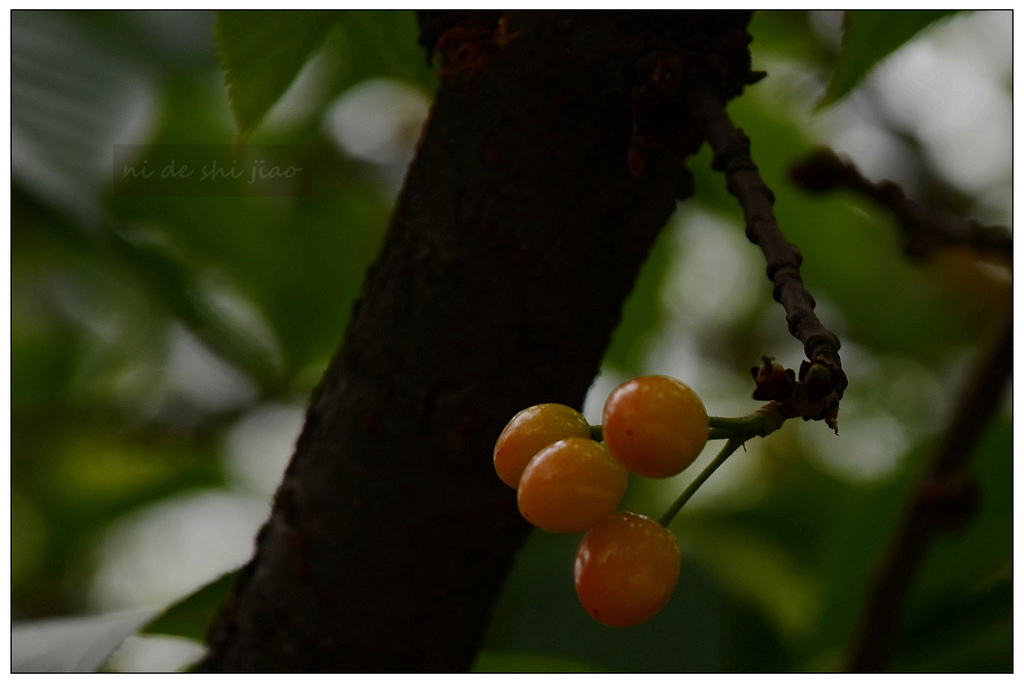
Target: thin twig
925,229
730,447
947,494
945,499
732,156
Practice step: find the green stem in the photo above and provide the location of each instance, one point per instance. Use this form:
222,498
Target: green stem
760,423
729,422
730,446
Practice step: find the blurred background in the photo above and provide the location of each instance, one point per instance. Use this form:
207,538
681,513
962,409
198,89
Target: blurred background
163,348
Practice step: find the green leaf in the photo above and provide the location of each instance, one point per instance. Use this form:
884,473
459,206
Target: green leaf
190,617
869,37
385,44
262,53
78,644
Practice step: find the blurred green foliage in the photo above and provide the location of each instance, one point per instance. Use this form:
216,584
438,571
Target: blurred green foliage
145,329
868,38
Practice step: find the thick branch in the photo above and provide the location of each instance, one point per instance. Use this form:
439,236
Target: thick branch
924,228
945,499
518,236
732,156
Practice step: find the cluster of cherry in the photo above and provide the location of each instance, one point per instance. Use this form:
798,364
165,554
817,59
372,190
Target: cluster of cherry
571,477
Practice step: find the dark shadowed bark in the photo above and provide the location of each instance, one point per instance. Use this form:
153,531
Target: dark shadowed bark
553,156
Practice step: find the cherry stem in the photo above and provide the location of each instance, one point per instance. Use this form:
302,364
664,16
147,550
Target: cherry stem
730,447
737,431
760,423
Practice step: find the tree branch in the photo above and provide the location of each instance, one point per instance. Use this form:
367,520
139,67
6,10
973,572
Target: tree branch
945,499
925,229
732,156
947,494
517,237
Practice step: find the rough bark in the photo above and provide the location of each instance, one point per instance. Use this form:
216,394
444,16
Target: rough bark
554,153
